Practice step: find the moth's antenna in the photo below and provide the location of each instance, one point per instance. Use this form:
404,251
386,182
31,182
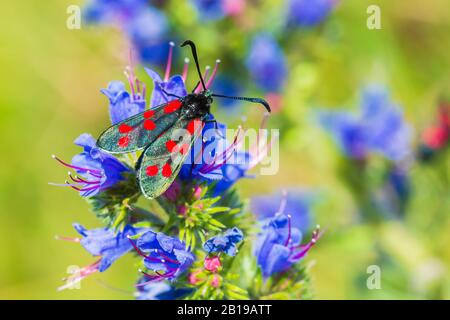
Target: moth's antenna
194,54
254,100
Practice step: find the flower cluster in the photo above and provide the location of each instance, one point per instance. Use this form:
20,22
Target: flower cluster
379,127
190,240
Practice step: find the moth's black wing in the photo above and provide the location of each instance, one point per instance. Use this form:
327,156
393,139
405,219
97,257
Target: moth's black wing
161,162
137,132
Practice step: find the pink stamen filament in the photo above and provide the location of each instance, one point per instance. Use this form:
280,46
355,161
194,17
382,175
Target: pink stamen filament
307,246
169,62
96,175
225,155
154,278
139,252
260,155
70,239
213,75
283,202
83,273
129,76
185,69
199,87
138,90
144,90
75,167
288,240
82,189
79,179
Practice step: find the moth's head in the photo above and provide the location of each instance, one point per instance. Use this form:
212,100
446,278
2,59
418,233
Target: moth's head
208,96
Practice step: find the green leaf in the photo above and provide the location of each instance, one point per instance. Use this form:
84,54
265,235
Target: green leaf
216,223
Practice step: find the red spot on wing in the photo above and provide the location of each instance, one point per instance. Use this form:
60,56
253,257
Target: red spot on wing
149,125
151,171
148,114
167,170
123,141
184,148
170,145
193,125
172,106
125,128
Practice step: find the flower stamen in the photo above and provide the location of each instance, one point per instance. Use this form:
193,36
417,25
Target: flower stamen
169,62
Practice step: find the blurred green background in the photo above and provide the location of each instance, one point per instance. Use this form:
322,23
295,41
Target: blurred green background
49,94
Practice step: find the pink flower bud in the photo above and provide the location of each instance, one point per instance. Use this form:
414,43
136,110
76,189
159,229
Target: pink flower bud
182,209
197,192
193,279
212,264
216,281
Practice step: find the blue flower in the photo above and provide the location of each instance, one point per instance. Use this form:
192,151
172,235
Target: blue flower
379,127
167,86
308,13
162,253
215,161
106,243
209,9
225,242
97,170
232,172
146,26
279,246
294,202
153,53
392,197
227,86
112,11
122,105
159,290
267,63
346,131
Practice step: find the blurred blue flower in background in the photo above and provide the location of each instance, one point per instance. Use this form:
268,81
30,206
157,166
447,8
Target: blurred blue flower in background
308,13
148,32
380,127
146,26
225,242
112,11
209,9
227,86
392,197
294,202
267,63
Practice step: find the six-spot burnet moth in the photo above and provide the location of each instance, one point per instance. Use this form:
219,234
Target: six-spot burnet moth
154,130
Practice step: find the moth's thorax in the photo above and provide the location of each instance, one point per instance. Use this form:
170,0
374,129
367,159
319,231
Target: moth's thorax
196,105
